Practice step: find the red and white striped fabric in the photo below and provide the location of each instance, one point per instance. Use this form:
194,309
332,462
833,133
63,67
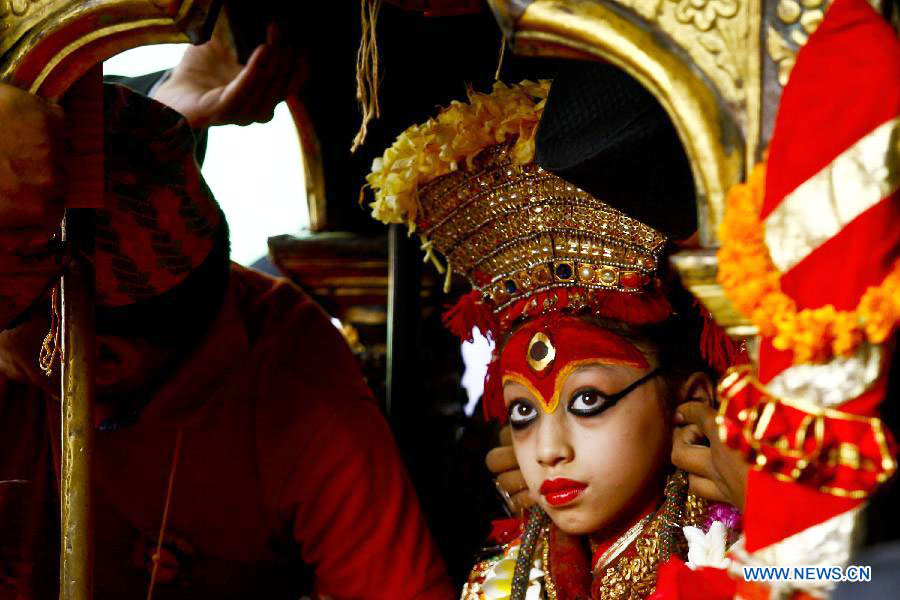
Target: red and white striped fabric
832,226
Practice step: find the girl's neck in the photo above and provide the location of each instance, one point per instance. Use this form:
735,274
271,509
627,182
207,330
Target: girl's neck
600,541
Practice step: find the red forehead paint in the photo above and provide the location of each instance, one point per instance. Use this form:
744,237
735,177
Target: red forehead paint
543,353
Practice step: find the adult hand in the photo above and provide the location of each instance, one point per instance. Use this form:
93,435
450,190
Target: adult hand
715,471
502,463
32,154
209,87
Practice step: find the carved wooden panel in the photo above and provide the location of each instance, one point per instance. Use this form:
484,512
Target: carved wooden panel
46,45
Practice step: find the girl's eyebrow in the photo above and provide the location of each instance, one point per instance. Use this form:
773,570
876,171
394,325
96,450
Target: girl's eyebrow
597,365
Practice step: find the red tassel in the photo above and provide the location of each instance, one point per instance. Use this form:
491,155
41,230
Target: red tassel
634,309
470,312
717,349
503,531
492,396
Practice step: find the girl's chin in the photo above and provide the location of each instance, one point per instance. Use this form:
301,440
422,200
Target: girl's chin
574,520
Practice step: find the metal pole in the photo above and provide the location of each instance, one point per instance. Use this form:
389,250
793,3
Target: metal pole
84,105
402,324
79,355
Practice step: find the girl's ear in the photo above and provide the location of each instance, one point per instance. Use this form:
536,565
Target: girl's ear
698,387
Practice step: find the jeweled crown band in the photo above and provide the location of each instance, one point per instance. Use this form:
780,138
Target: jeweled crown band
562,273
514,230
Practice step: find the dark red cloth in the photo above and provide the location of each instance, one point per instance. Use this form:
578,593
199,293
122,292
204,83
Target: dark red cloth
570,565
285,458
504,531
676,581
779,509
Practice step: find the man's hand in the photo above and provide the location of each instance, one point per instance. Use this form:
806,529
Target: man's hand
715,472
501,462
32,153
209,87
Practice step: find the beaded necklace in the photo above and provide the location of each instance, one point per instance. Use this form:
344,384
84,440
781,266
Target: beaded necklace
624,575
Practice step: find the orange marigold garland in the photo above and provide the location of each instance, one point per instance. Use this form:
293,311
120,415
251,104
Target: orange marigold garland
753,284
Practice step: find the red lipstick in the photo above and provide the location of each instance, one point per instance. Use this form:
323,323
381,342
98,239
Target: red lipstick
561,491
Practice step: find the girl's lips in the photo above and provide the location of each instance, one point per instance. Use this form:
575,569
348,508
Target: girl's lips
561,491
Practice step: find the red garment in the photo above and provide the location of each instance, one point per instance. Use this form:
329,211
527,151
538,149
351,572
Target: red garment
284,456
675,581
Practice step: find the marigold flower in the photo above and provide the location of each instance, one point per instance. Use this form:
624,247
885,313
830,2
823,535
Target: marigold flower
753,284
457,134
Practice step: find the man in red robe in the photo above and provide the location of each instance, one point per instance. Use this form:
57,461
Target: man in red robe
227,400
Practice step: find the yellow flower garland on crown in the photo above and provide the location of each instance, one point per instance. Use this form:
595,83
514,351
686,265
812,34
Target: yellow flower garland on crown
753,284
458,133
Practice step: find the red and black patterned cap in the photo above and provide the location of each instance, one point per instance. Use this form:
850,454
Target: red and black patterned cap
161,219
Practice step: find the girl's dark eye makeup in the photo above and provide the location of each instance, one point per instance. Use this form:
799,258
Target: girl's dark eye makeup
521,414
588,402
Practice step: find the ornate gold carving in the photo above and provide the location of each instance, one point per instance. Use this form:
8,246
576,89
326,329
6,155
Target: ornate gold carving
698,269
788,11
16,7
46,45
789,31
713,32
703,13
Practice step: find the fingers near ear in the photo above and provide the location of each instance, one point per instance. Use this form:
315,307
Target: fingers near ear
506,436
512,482
522,500
270,87
696,460
501,459
700,414
705,488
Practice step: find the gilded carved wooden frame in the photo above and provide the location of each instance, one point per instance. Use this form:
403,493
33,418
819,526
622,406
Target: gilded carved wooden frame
47,45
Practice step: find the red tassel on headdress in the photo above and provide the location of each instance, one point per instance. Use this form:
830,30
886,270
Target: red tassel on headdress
634,309
470,312
717,349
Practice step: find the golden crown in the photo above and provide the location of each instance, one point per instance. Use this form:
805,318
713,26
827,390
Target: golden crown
467,182
513,230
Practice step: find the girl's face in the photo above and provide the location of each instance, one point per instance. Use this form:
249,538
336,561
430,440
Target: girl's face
591,463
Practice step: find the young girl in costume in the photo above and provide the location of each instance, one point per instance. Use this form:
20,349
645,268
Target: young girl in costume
590,357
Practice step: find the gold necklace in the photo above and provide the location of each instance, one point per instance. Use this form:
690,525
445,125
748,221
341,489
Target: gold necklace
621,544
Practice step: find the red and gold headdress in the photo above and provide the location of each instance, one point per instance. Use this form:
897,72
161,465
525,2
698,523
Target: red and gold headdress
529,242
533,246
